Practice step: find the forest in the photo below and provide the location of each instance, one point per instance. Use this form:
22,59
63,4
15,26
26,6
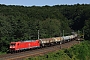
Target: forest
19,23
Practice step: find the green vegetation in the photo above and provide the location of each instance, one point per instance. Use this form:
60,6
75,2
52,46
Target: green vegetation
1,53
77,52
22,22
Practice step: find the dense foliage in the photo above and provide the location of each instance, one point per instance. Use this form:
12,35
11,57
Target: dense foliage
77,52
22,22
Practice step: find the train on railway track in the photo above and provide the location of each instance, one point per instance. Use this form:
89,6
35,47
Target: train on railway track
39,43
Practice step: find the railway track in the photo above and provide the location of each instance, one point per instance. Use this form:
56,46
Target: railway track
36,52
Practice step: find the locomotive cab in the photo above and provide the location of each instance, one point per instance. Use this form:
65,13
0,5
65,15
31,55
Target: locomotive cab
12,46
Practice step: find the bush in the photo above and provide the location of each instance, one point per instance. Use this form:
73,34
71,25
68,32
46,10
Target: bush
77,52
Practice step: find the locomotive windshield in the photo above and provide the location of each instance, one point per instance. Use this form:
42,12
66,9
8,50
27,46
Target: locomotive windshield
12,44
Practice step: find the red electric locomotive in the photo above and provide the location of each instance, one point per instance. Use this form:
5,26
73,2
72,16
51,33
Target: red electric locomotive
23,45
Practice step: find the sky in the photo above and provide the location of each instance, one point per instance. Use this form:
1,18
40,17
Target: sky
43,2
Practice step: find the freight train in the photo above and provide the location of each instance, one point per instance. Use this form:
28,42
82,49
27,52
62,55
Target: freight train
30,44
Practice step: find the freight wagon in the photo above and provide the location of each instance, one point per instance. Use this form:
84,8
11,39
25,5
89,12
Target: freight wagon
46,42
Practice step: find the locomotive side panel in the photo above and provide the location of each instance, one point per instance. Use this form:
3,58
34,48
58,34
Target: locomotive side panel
21,45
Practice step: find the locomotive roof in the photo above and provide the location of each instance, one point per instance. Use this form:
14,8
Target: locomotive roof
28,41
25,41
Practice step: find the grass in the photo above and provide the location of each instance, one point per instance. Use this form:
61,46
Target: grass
1,53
